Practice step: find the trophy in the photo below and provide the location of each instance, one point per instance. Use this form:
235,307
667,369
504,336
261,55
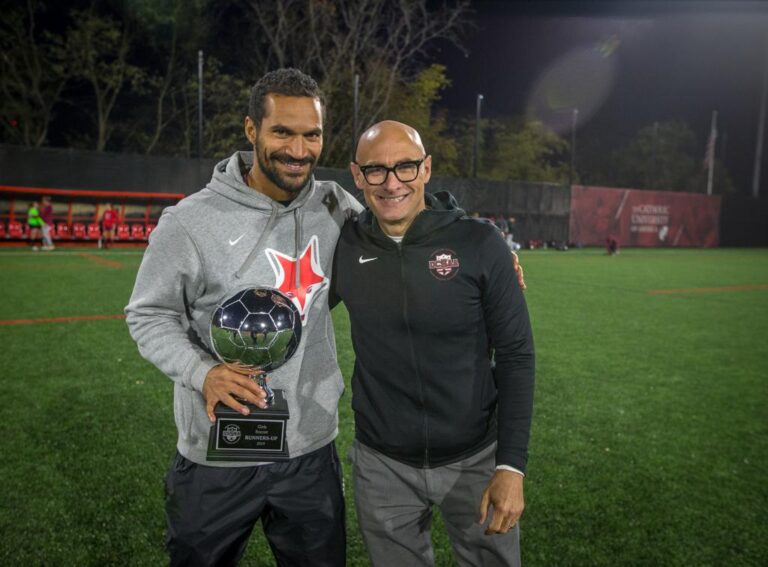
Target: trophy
253,332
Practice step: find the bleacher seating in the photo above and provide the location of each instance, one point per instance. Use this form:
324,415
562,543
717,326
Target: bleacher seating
15,230
137,231
62,231
123,232
94,231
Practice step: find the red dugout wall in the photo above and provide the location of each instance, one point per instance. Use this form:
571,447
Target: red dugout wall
643,218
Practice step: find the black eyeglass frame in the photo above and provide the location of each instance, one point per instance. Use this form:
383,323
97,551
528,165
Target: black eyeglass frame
393,170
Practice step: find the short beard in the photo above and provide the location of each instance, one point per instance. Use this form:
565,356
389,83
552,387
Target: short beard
274,176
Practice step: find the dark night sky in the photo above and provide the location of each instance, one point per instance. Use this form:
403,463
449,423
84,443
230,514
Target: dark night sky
658,61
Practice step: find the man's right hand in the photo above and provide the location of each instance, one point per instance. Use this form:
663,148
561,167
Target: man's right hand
229,387
519,271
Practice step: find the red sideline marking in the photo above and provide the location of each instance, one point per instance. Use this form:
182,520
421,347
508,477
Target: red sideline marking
100,260
73,243
60,319
745,287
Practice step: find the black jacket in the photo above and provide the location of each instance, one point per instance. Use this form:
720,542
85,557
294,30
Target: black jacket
425,316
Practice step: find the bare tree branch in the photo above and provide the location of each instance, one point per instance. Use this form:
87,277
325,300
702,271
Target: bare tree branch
384,41
32,75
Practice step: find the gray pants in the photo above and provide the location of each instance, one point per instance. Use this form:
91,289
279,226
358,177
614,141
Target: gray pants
394,510
47,241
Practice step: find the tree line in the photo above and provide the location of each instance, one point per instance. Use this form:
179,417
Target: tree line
121,75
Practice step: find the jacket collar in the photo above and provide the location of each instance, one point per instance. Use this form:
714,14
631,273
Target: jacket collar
442,210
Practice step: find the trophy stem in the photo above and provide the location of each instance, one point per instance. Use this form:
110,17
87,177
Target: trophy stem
261,380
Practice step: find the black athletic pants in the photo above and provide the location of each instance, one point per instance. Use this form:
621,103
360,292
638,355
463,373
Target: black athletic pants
211,511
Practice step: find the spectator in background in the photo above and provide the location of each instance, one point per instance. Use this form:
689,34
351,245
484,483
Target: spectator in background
35,224
501,222
46,214
108,224
510,235
612,245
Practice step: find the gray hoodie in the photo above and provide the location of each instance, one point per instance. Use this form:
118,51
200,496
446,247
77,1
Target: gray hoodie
216,242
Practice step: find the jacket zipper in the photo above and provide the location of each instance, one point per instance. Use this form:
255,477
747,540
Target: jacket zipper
413,355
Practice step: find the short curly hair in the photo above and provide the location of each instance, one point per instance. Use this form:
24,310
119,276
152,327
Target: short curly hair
286,82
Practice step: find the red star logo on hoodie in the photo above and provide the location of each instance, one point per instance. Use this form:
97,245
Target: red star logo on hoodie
311,276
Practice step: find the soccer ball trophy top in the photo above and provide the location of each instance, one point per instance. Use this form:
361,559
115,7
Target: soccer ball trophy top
253,332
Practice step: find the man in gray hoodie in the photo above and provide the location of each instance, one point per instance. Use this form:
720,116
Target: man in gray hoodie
263,220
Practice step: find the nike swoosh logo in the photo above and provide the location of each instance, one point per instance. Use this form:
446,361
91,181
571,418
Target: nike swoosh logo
236,240
364,260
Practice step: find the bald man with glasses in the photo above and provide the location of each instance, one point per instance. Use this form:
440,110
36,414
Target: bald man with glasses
444,372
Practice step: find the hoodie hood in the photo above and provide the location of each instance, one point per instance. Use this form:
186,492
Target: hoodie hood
228,182
442,210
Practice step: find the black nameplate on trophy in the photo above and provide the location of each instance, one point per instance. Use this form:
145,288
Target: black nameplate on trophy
257,437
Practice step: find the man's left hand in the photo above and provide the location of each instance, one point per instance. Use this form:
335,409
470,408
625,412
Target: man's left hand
518,270
505,494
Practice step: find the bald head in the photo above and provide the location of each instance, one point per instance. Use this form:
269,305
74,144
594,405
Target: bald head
392,168
380,135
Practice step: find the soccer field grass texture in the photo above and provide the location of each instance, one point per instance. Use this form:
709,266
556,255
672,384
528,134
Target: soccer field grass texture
649,444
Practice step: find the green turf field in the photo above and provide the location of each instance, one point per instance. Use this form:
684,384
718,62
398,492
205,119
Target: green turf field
649,443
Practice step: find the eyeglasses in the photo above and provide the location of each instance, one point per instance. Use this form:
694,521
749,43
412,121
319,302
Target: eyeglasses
405,171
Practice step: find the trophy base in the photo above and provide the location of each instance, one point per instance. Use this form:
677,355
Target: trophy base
256,437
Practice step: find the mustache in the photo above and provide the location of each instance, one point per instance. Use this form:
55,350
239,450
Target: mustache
288,160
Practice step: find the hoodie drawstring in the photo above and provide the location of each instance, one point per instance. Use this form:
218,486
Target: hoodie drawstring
297,245
298,236
257,248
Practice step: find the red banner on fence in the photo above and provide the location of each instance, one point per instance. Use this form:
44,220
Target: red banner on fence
643,218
